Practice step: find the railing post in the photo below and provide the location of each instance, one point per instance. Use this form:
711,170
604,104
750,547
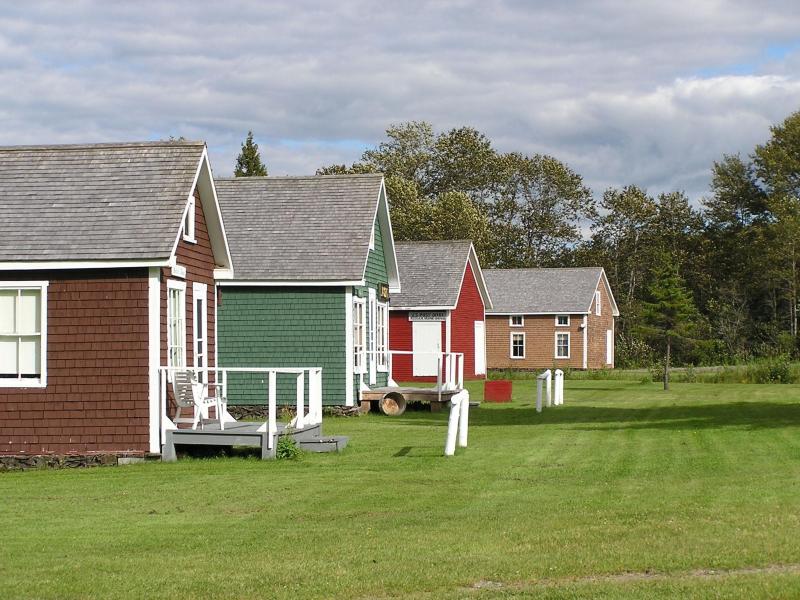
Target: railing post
549,389
272,424
452,428
439,375
559,387
317,395
301,396
460,382
463,421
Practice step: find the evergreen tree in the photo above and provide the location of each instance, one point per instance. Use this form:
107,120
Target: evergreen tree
248,163
669,313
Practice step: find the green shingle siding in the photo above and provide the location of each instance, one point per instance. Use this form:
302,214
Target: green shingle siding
282,327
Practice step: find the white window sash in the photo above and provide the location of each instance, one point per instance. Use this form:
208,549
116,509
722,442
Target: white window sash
359,336
200,292
521,321
562,335
562,324
189,221
19,336
597,297
176,323
383,337
512,337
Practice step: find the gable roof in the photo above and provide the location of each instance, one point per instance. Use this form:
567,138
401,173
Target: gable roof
100,202
314,229
545,291
433,272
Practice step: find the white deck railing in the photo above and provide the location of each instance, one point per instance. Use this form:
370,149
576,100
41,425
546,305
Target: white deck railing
449,367
303,418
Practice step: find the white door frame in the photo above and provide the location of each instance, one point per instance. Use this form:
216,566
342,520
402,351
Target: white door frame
480,348
200,323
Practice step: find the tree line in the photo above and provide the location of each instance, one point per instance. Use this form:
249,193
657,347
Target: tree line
718,282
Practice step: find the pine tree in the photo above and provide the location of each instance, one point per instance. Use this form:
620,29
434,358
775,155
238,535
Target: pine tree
248,163
669,313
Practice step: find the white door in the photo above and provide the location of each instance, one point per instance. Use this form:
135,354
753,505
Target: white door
480,348
426,337
609,347
200,294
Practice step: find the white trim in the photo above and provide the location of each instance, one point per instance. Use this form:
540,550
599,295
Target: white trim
372,237
560,312
189,211
223,274
511,321
585,328
609,347
447,342
291,283
483,289
563,324
555,345
511,345
604,279
597,303
41,382
178,271
372,331
475,361
81,264
199,290
348,342
383,368
154,355
416,308
385,223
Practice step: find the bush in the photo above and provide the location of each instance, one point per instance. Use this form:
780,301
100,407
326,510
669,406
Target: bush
774,370
288,448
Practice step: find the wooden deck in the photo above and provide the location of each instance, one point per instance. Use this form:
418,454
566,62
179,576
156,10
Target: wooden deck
252,434
411,394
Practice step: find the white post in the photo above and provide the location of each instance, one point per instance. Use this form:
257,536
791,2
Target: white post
559,387
315,382
272,424
301,392
549,389
463,421
539,394
452,428
163,403
460,382
439,376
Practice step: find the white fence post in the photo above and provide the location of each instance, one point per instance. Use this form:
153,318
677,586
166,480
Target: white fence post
549,391
559,387
452,428
539,394
463,422
272,423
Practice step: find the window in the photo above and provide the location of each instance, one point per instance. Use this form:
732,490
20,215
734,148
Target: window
517,345
383,336
200,312
359,336
23,334
597,302
516,321
188,222
176,323
562,345
562,320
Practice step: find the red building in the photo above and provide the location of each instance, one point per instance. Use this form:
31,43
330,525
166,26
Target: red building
108,262
441,308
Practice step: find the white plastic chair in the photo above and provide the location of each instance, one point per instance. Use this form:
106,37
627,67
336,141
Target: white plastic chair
191,394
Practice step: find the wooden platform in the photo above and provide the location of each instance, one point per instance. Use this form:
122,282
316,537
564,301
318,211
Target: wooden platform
246,433
411,394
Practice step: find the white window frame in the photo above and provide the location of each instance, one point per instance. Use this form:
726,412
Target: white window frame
520,324
597,297
200,290
359,337
382,336
511,345
189,222
372,239
562,324
181,315
30,382
569,345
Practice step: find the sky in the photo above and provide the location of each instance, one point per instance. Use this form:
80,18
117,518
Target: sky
645,93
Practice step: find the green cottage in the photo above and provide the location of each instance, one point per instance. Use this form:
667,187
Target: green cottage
315,265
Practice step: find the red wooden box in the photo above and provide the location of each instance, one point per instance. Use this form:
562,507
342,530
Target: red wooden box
498,390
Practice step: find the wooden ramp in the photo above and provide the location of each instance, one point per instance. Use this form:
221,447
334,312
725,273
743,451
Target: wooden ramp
393,400
252,434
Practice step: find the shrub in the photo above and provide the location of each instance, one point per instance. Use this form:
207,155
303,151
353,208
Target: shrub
288,448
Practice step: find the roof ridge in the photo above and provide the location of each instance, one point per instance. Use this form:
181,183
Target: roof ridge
543,268
459,241
167,143
298,177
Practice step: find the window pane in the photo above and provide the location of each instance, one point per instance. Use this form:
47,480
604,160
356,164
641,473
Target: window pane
198,311
8,308
29,355
8,356
28,320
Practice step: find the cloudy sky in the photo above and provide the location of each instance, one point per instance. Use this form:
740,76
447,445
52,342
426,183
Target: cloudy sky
625,92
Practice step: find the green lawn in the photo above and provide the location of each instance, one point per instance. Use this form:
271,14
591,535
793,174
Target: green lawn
623,491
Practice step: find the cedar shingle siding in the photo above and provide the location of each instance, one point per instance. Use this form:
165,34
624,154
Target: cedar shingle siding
97,386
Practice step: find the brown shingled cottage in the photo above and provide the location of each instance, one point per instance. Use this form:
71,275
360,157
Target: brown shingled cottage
108,260
550,318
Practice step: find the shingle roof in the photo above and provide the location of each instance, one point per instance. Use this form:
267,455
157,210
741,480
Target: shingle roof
314,228
530,291
94,202
430,272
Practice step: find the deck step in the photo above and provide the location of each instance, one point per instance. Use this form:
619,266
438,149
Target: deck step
332,443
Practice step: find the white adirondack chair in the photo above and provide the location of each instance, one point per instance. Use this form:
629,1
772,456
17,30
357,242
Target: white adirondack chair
193,395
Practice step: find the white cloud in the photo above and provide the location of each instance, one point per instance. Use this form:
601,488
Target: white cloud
646,93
